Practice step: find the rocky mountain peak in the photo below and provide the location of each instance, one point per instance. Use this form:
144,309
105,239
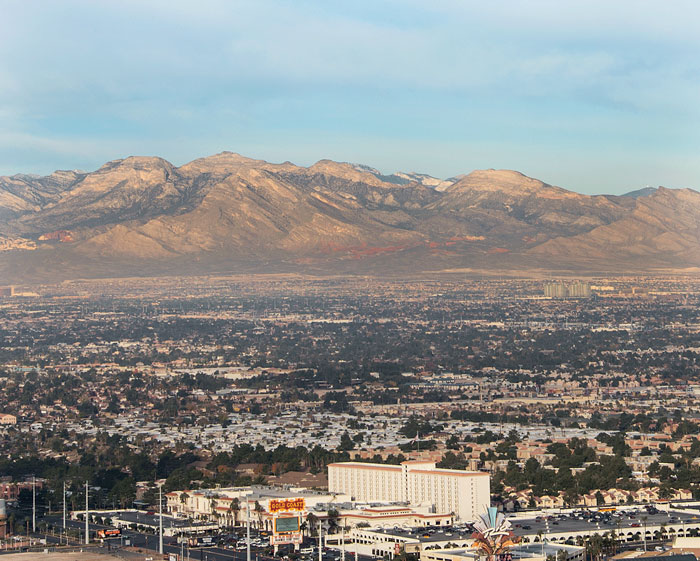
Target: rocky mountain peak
142,215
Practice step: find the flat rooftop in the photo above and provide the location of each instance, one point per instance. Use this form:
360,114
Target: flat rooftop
152,519
621,519
427,534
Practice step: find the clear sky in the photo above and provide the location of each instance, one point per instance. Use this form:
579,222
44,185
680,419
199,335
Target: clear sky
595,96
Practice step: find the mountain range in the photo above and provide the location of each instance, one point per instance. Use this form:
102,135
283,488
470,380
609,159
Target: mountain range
227,213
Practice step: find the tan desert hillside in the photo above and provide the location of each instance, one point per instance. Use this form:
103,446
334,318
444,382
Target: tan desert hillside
226,213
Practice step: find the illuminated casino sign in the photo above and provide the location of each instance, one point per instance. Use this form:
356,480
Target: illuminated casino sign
287,505
286,527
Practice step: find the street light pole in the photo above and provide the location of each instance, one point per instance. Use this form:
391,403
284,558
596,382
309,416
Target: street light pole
33,503
87,516
247,522
160,518
64,512
342,551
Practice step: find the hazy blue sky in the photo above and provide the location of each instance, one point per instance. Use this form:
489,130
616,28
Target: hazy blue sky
595,96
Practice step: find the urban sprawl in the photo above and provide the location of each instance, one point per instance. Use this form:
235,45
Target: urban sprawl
450,419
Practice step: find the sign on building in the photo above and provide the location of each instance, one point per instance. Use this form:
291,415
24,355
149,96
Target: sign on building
287,505
286,524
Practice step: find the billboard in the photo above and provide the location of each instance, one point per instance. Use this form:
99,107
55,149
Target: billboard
287,505
282,539
287,524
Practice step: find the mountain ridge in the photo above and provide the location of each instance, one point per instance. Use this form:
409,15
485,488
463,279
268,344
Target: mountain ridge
227,211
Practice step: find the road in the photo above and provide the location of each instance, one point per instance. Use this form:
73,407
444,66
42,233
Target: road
170,545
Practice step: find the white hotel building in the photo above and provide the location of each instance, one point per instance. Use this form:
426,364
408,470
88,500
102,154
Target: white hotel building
464,493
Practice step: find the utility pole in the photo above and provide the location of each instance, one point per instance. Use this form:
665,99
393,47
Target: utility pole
644,520
320,539
64,512
33,504
87,516
342,551
247,523
160,518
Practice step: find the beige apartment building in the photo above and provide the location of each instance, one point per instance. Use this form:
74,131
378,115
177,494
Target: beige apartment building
7,419
466,494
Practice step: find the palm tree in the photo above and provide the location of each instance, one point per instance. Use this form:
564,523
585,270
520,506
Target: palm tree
333,516
609,540
595,546
311,521
259,510
212,508
183,499
235,507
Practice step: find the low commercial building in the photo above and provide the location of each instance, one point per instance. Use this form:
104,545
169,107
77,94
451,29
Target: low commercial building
394,516
230,506
437,544
378,542
139,520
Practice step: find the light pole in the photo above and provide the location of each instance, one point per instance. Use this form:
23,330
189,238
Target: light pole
342,551
247,523
65,535
33,503
160,519
87,516
320,539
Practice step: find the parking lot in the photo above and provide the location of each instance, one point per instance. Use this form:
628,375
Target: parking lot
627,522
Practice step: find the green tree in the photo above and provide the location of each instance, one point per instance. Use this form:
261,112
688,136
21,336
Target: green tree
346,443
